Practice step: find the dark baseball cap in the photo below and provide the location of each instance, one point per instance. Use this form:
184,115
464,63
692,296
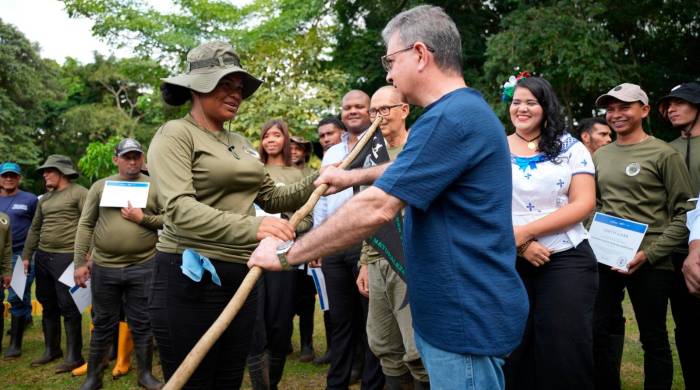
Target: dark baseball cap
127,145
690,92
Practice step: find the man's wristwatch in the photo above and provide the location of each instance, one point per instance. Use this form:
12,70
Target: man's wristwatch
282,250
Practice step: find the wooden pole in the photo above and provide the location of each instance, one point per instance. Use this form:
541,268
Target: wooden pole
194,358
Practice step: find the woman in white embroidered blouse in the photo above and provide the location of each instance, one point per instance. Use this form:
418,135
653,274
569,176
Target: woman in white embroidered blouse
553,192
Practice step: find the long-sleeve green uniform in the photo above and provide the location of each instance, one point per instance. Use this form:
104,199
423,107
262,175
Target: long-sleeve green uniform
56,221
208,184
5,245
286,176
116,241
681,145
648,183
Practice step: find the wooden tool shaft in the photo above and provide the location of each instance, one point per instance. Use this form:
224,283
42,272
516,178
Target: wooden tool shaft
194,358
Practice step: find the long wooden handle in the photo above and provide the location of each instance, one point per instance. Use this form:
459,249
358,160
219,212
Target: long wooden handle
194,358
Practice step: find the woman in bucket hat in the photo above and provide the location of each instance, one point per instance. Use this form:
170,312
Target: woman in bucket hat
50,241
209,179
681,107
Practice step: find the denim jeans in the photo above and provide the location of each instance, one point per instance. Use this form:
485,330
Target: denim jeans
22,307
452,371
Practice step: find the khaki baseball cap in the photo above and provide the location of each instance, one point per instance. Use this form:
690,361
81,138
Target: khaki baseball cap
624,92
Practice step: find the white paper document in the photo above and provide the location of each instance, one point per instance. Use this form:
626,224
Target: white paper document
614,240
67,277
259,212
82,296
19,279
320,283
119,193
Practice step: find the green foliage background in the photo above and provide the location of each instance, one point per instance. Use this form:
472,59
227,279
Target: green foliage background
309,52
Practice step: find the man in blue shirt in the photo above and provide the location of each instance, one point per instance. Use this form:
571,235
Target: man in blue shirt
19,206
468,304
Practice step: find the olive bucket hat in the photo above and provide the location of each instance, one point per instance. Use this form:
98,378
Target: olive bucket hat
206,65
60,162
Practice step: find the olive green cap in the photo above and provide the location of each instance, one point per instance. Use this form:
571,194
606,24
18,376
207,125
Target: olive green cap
63,163
207,64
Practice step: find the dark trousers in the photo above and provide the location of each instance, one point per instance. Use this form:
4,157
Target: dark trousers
608,329
649,290
275,311
181,310
304,306
117,288
53,295
347,321
686,315
556,351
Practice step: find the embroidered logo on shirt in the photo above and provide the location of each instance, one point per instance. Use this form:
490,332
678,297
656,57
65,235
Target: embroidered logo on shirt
252,152
23,207
633,169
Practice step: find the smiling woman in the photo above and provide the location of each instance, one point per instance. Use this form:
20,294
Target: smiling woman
208,179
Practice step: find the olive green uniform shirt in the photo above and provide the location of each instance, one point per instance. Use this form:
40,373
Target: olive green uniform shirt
56,221
208,184
681,145
285,176
368,254
116,241
647,183
5,245
307,170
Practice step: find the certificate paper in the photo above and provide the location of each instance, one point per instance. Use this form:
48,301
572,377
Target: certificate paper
82,296
67,277
614,240
320,283
19,279
119,193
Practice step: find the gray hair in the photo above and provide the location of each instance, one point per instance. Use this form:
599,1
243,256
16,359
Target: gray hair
432,26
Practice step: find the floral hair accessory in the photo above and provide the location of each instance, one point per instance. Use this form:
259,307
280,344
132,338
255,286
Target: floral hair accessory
509,86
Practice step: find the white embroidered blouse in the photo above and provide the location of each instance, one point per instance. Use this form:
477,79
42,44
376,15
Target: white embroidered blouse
540,187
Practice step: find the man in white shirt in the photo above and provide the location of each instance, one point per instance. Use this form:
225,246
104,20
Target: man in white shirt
691,266
340,270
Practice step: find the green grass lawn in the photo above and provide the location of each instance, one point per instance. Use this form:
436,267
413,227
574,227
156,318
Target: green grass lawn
17,374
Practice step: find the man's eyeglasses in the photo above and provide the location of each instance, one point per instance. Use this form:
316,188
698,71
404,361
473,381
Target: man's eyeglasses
383,110
387,62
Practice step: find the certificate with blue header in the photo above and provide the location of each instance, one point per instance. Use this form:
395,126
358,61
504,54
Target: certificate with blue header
614,240
119,193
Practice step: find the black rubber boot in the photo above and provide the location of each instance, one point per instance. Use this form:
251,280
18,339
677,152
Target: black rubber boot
74,346
98,360
144,365
259,372
418,385
403,382
16,335
52,341
276,361
307,353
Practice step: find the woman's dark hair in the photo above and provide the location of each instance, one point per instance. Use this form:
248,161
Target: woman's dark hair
552,126
286,148
175,95
333,120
